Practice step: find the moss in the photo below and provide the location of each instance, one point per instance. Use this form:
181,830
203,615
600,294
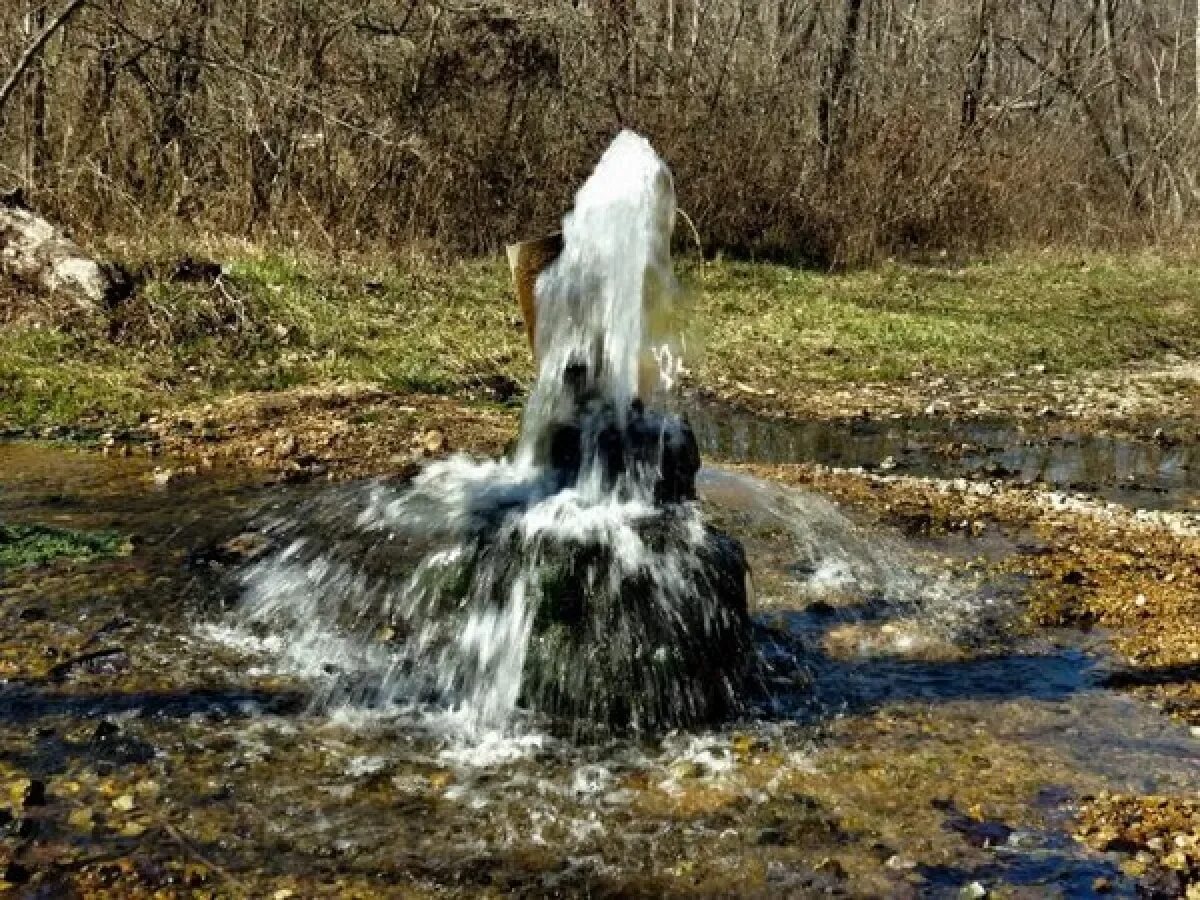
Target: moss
35,545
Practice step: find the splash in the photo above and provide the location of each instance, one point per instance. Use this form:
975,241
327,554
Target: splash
576,580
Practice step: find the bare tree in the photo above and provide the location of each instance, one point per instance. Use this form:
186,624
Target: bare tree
831,133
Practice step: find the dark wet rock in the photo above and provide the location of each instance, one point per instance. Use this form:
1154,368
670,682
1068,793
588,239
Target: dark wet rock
914,523
1074,578
981,834
502,388
112,626
1123,845
111,745
15,873
27,829
977,832
35,794
110,661
770,837
660,449
998,470
1161,883
33,614
656,670
238,550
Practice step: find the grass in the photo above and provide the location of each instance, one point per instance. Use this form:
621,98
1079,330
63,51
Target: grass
277,320
788,328
22,546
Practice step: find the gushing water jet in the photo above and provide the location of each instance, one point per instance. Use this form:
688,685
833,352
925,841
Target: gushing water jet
576,579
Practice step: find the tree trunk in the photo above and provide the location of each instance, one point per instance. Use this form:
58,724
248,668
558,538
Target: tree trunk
978,67
831,124
1109,50
36,153
33,51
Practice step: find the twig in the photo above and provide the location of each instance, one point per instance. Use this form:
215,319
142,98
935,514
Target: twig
26,59
187,845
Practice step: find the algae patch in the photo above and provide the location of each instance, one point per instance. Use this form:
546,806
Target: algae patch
35,545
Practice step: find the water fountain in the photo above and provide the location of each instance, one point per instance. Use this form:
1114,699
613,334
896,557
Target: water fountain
576,578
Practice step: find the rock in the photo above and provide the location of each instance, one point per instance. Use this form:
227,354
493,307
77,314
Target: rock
770,837
832,868
571,673
502,388
985,833
35,794
434,442
15,873
34,250
973,891
108,744
648,441
124,803
287,447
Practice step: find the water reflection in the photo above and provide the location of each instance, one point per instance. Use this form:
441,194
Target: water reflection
1142,474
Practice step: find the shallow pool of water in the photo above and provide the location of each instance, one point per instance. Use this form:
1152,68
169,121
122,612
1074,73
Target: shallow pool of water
909,739
1142,474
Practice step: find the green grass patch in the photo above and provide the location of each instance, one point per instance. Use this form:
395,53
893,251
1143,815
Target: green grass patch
777,325
35,545
276,321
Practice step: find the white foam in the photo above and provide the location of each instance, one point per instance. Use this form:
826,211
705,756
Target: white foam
460,621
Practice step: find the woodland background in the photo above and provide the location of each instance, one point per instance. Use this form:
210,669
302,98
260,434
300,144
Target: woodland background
827,132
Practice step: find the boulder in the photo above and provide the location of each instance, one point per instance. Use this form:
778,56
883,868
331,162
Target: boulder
36,251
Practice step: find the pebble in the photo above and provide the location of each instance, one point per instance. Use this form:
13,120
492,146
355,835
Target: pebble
288,447
124,803
973,891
